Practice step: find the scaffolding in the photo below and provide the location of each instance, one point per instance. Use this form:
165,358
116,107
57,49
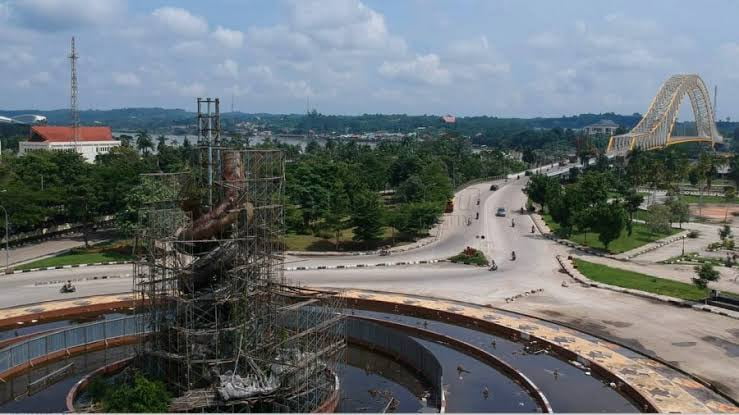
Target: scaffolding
229,334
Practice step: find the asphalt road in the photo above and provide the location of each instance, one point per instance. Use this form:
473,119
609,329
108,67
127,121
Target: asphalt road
702,343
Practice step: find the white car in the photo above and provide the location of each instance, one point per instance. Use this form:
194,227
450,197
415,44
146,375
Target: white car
501,212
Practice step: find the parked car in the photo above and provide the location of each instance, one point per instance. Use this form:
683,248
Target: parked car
493,187
501,212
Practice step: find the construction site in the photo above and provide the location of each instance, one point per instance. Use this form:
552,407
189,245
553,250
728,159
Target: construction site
228,333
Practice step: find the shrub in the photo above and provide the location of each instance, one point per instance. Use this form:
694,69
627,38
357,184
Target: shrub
693,234
130,392
470,256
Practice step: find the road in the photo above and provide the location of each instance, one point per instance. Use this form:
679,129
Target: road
702,343
27,253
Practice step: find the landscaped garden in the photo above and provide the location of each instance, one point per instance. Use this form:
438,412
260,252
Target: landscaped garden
634,280
327,241
105,252
640,235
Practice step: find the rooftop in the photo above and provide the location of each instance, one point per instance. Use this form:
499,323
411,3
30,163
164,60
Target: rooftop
603,123
66,134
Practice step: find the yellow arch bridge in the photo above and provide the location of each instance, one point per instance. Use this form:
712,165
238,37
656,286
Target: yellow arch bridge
654,131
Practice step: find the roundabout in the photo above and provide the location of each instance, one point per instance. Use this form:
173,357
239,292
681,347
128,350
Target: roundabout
516,359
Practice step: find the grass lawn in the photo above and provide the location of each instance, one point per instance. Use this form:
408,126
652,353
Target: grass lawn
301,242
642,282
641,235
107,252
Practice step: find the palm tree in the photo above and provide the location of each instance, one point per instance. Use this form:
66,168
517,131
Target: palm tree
143,142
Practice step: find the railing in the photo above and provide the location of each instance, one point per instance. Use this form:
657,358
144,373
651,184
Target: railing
26,352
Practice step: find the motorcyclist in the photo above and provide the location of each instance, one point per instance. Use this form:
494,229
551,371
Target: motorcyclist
513,255
493,265
513,223
532,228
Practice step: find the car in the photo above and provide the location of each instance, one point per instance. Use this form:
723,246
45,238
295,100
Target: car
493,187
500,212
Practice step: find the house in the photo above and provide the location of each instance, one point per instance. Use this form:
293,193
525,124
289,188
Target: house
91,141
602,127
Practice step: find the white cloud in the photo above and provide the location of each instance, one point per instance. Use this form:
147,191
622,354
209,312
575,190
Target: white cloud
545,40
181,21
228,69
39,78
423,68
127,79
229,38
190,90
56,15
341,26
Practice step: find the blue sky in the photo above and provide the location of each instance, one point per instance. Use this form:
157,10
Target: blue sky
467,57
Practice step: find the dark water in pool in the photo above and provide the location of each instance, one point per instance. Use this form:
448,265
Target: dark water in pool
572,390
369,380
464,389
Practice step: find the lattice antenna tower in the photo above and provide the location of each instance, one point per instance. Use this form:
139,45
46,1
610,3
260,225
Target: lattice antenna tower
73,97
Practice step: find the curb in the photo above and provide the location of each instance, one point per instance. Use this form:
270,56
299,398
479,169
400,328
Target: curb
68,267
570,269
381,264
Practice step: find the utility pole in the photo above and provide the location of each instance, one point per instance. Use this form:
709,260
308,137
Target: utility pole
7,239
73,97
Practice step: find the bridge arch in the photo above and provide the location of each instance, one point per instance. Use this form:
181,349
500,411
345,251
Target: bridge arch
655,128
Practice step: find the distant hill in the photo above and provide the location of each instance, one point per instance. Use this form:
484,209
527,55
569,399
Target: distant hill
158,119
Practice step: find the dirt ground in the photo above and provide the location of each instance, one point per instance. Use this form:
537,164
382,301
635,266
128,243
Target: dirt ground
714,212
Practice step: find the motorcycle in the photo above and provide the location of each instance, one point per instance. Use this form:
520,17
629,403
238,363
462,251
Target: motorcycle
384,252
513,255
67,289
493,267
513,223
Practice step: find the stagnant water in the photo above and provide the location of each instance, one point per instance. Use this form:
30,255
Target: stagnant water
571,390
369,379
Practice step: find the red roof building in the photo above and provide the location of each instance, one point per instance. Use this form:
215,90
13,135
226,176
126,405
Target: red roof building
90,142
58,134
449,119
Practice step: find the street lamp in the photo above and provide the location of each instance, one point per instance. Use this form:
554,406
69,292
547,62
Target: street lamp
7,250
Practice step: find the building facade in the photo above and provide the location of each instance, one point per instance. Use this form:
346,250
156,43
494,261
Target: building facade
91,140
602,127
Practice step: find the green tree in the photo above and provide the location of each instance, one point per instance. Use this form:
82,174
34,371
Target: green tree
367,217
338,209
143,142
658,219
724,232
632,201
704,275
609,221
729,196
679,210
141,395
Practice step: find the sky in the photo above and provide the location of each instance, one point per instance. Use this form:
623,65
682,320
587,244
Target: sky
517,58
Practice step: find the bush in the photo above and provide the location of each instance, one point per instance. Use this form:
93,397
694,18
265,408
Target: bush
470,256
693,234
130,392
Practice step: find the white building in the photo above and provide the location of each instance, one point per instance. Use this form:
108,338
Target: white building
604,127
91,142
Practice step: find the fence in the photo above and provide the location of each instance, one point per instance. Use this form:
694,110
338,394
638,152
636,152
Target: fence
63,340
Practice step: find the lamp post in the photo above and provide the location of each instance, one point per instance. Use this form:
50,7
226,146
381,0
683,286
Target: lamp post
683,246
7,250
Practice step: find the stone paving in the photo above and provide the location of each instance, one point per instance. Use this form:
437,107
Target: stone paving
666,388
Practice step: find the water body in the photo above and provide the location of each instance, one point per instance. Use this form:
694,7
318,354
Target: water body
571,390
